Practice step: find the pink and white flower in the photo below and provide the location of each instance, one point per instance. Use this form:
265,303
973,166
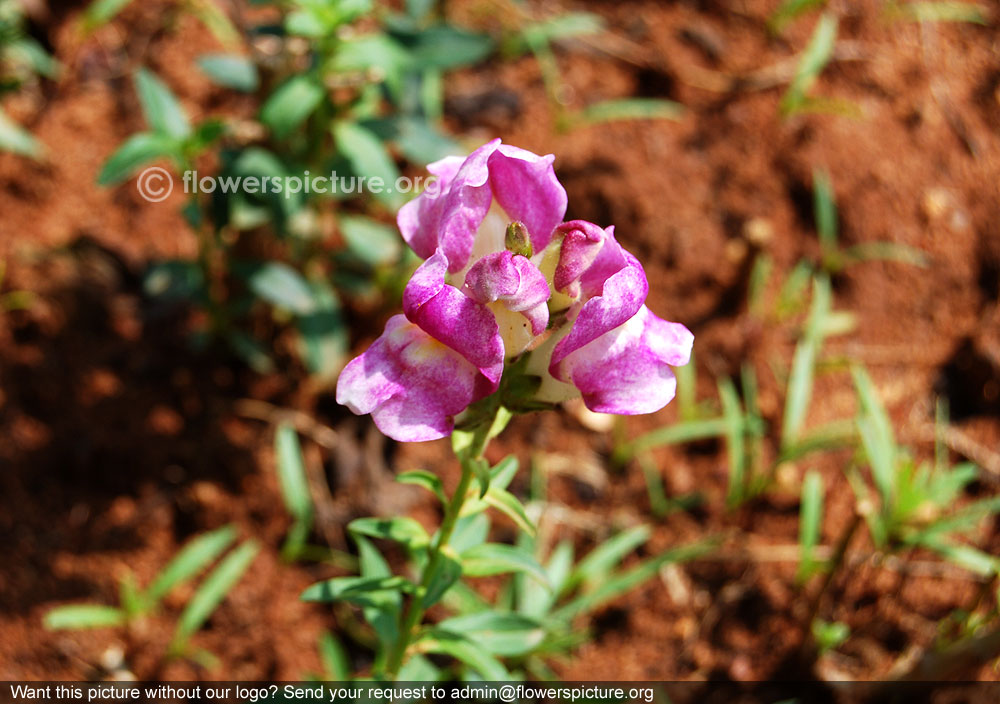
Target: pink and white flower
502,278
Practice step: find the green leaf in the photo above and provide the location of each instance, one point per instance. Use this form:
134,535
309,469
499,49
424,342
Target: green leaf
445,47
419,669
829,635
470,530
323,332
613,587
499,633
358,590
788,11
292,478
16,139
732,412
943,11
448,572
400,529
135,152
370,241
282,286
800,380
193,557
429,481
100,12
564,26
601,561
368,158
508,504
876,437
688,431
213,591
812,62
381,608
810,521
336,665
230,70
503,473
161,109
491,559
374,53
535,599
291,104
79,616
436,640
825,208
632,109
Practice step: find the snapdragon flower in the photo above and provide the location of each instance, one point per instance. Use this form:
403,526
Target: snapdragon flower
504,277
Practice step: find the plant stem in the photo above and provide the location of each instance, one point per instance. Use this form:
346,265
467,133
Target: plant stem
415,611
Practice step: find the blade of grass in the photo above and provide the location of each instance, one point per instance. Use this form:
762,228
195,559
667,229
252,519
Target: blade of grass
810,520
800,380
212,592
196,555
732,412
814,59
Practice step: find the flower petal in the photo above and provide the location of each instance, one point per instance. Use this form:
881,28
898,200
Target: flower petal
412,385
514,281
625,370
451,317
582,242
449,215
615,287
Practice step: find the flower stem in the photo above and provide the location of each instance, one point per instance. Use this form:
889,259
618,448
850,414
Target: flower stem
415,611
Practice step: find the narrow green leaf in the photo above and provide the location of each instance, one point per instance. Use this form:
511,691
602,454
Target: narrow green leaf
812,62
160,107
135,152
876,437
800,381
101,12
788,11
400,529
601,561
942,11
381,608
79,616
193,557
732,412
504,472
291,104
323,332
213,591
673,434
810,521
16,139
508,504
230,70
499,633
449,571
292,477
621,583
632,109
352,588
436,640
825,208
499,558
446,47
428,480
336,665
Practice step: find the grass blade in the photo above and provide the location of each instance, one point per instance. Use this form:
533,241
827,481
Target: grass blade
810,521
212,592
79,616
292,477
194,557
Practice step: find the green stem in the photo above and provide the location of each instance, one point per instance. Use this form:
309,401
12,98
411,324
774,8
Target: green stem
415,611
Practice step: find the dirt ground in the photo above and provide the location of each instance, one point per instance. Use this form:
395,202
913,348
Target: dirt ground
118,443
